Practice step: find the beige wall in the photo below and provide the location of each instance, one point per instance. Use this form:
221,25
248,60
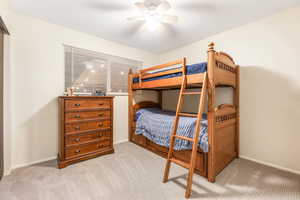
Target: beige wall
268,52
37,78
3,6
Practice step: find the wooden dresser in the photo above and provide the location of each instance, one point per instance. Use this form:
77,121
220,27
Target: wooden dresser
85,128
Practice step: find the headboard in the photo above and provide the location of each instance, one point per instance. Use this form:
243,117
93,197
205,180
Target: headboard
145,104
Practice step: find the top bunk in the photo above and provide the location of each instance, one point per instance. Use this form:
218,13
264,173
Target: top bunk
220,67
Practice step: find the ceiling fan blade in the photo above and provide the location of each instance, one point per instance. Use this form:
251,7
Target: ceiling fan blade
164,6
170,19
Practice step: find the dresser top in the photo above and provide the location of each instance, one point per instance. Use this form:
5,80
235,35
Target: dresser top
82,97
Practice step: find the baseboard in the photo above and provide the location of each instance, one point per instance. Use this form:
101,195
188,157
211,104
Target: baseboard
33,163
271,165
8,172
121,141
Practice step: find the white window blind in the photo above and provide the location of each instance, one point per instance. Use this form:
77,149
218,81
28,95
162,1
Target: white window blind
88,71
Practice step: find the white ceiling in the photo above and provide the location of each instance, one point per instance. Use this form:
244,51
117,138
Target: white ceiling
107,18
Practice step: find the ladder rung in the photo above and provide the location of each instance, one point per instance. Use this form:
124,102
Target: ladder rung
184,138
188,115
191,93
181,163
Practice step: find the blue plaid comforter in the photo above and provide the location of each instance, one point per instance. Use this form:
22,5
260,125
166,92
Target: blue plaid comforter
156,125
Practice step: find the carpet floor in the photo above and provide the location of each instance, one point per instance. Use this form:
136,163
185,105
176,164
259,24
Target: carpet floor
132,173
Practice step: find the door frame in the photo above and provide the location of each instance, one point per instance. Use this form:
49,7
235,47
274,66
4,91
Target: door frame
3,31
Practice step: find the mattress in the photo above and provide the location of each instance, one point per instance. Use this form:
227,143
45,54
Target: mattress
190,69
156,125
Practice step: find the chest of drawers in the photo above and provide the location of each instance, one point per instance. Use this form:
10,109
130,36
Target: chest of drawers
85,128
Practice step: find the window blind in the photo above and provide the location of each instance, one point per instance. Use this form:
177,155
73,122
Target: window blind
88,71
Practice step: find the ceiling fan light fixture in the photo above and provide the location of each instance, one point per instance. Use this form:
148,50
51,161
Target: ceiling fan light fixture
154,13
152,23
153,20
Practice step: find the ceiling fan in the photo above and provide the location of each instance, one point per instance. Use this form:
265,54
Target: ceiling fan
154,12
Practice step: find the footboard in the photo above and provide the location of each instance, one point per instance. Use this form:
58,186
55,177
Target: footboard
223,139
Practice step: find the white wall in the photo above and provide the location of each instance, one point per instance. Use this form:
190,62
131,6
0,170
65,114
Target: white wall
268,52
37,79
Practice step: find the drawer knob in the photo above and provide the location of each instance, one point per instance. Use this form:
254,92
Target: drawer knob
101,114
77,151
77,104
100,135
101,104
100,124
77,116
100,145
77,128
77,139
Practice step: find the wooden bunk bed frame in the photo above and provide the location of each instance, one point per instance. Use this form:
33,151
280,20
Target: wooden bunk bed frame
223,120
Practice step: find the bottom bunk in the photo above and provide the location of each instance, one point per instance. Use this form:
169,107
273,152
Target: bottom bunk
218,141
183,155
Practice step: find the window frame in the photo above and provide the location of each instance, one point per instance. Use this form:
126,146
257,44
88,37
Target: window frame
106,56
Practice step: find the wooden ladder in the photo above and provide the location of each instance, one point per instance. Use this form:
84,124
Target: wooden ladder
171,158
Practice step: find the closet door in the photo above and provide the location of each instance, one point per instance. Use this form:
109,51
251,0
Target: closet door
1,103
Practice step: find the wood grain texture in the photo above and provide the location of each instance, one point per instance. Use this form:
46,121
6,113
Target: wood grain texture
87,137
130,106
171,71
222,71
221,66
211,67
174,131
169,64
78,116
76,127
145,104
86,128
79,104
237,106
183,155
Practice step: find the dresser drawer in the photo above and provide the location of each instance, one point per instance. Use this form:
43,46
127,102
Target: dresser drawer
87,137
85,126
102,145
76,116
80,150
86,104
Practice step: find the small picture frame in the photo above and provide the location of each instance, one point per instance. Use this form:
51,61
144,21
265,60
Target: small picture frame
99,93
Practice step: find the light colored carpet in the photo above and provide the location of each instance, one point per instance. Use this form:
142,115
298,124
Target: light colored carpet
133,173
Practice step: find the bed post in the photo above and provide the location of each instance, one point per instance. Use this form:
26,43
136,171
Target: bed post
130,105
211,115
237,106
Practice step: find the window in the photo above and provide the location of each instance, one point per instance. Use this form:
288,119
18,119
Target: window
88,71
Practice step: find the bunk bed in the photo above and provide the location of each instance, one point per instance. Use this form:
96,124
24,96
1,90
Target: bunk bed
220,145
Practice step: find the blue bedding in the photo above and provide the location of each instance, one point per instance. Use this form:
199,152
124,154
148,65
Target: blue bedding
190,69
156,125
